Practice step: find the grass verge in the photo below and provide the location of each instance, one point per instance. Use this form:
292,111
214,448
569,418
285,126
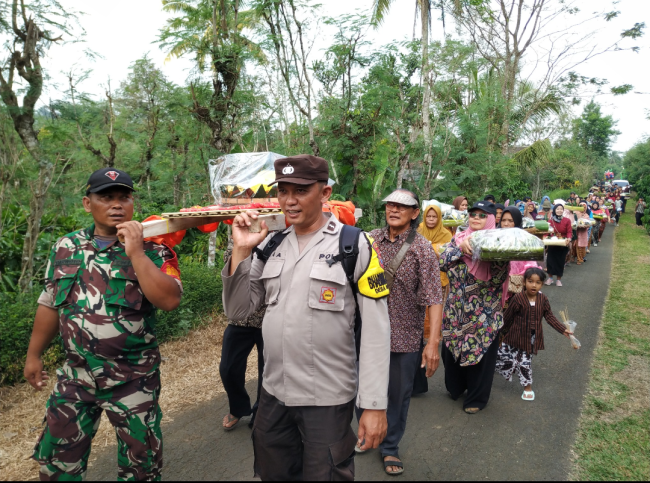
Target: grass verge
613,440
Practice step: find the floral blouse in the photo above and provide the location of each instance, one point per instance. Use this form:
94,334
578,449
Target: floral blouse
472,316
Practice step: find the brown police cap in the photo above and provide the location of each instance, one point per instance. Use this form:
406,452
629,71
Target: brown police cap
301,169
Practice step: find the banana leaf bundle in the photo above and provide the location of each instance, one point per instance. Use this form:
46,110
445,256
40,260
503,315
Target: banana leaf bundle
575,208
506,245
452,218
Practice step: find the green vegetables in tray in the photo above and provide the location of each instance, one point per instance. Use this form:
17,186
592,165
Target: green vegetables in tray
453,218
506,245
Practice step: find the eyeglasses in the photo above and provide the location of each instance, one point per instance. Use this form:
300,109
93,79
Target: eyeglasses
396,206
474,214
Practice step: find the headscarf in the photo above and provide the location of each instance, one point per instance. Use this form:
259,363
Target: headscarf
458,200
587,209
438,234
555,217
532,213
515,268
515,213
480,270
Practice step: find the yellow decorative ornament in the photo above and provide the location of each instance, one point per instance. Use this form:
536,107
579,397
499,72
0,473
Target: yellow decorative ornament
373,283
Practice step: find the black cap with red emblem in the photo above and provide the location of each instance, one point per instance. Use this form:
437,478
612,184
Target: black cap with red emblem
108,178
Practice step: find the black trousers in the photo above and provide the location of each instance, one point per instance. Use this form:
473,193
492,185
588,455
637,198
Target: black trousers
238,343
555,259
638,219
476,379
310,443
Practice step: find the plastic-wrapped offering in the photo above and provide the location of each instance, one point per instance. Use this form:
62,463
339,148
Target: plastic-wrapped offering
506,245
454,218
527,222
585,223
244,175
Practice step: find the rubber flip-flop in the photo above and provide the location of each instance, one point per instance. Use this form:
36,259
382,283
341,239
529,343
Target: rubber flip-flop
399,464
531,395
471,410
231,418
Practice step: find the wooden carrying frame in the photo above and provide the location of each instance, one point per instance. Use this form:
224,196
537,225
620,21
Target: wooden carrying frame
177,221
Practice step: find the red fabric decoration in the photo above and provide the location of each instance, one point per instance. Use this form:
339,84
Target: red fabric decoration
170,240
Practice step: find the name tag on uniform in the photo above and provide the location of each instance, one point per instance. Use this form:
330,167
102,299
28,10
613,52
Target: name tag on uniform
58,263
121,263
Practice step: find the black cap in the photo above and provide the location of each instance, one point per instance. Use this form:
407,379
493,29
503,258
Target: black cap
486,206
490,198
107,178
301,169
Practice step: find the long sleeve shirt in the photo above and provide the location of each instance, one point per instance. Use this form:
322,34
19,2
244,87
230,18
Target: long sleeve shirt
563,229
521,319
308,328
472,315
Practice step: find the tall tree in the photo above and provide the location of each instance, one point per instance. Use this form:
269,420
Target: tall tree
594,131
35,26
220,49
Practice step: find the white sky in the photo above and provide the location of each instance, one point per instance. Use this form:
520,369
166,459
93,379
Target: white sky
122,31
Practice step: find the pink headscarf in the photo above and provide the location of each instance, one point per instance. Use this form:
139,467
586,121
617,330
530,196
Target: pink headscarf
516,268
481,270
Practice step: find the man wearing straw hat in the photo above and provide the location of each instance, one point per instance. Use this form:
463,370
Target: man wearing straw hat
302,429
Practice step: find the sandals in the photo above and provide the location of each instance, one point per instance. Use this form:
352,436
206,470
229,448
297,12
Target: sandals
231,418
399,464
471,410
528,395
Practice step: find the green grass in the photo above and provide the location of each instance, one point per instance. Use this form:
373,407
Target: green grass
613,440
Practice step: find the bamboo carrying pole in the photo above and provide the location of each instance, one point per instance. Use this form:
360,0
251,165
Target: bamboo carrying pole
173,222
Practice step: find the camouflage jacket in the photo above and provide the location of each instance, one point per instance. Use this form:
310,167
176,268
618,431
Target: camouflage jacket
106,323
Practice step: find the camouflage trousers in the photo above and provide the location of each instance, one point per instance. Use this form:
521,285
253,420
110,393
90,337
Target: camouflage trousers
72,418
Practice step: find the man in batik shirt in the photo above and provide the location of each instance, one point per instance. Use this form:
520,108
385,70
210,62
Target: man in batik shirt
101,295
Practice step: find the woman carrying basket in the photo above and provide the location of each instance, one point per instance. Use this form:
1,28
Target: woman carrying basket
556,255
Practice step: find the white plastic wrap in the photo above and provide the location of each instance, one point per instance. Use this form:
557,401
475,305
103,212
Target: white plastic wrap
571,325
454,218
527,222
244,175
506,245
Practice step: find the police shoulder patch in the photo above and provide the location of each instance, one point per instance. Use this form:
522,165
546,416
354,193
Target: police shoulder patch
373,283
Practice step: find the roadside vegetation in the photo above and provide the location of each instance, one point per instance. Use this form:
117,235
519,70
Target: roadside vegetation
613,440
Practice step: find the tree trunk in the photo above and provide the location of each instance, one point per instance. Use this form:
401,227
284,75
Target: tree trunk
37,207
212,249
426,99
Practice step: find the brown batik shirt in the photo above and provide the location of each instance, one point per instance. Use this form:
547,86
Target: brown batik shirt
416,286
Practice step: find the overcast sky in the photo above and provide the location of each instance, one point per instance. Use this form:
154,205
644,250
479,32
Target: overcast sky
122,31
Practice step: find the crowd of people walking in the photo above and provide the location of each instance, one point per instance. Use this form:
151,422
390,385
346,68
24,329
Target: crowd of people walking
344,322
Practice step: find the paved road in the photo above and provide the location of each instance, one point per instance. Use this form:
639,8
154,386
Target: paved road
510,440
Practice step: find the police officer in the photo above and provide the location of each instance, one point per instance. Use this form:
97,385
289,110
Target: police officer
101,295
302,430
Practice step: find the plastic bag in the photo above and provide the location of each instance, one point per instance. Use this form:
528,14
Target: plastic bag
527,222
506,245
244,175
454,217
571,325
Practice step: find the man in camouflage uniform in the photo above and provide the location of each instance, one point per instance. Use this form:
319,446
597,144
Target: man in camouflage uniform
101,295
